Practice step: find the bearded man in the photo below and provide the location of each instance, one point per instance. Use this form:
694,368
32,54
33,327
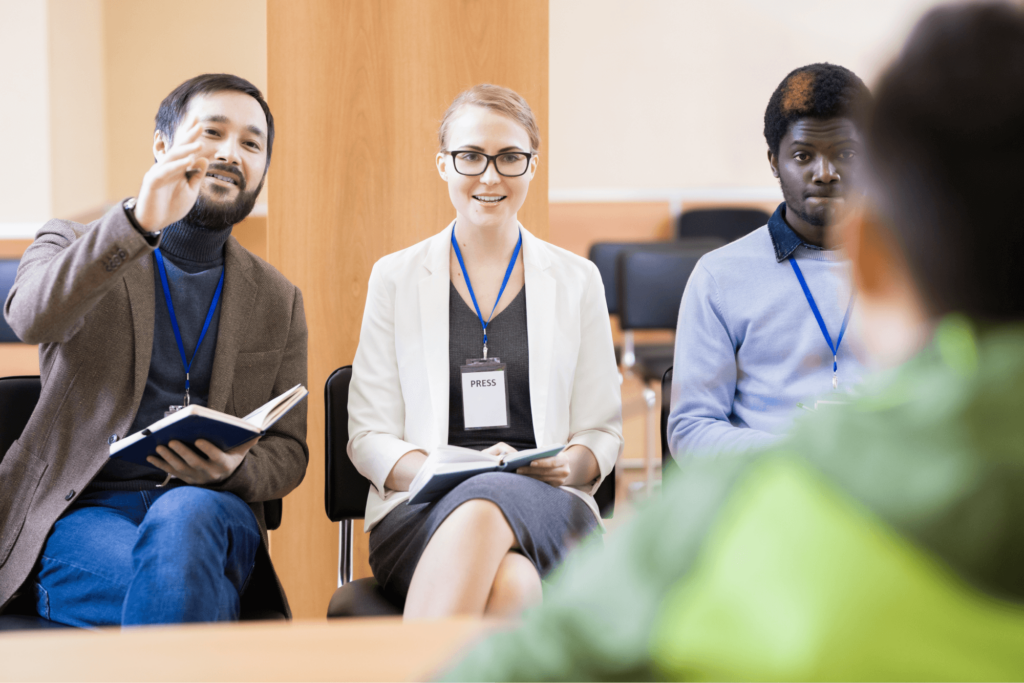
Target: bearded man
152,307
763,324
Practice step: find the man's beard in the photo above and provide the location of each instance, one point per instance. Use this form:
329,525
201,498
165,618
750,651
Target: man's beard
822,220
214,215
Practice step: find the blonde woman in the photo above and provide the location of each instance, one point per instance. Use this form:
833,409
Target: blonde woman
431,309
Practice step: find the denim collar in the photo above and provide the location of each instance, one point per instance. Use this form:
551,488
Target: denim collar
784,238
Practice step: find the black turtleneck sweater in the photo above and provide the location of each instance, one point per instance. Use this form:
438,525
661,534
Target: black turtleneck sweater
194,258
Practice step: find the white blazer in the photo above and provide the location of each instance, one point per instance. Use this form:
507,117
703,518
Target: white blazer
398,399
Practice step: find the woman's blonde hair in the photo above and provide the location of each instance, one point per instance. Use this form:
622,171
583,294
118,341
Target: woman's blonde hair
502,100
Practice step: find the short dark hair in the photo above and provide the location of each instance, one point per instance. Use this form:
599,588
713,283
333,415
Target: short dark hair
945,141
175,105
817,91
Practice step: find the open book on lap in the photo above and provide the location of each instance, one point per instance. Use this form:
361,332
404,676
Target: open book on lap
448,466
199,422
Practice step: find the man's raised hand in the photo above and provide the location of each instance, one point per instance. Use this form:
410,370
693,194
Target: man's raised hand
170,187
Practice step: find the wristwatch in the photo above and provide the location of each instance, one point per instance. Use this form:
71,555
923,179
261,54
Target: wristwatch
153,238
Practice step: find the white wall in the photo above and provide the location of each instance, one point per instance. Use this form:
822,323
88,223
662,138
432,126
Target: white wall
52,134
671,93
24,114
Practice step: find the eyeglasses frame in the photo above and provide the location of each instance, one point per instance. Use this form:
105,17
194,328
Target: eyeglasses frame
491,158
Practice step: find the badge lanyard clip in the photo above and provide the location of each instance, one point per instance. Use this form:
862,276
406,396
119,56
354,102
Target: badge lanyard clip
174,321
821,323
508,274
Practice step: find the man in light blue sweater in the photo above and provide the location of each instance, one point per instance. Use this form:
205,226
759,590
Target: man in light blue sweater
763,324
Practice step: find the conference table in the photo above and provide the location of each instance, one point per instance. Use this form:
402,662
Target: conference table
370,649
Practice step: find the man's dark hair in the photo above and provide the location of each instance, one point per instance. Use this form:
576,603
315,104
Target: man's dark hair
175,105
946,145
817,91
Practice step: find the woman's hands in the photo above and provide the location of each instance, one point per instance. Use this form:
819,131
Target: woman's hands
574,466
555,470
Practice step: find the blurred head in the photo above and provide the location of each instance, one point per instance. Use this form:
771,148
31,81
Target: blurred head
943,230
497,122
813,127
237,139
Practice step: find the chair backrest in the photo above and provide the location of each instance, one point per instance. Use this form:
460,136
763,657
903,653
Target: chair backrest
651,284
666,408
8,269
18,398
727,224
605,496
605,255
345,490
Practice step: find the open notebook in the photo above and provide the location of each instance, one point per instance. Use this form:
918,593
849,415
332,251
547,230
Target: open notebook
448,466
199,422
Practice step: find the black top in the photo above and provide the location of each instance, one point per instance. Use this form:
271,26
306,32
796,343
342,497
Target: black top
194,257
506,340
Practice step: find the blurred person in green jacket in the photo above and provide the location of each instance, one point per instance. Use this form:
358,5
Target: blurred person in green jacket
883,539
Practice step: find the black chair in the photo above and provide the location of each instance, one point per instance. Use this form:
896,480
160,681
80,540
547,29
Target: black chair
345,492
18,398
651,282
667,461
8,269
605,255
726,224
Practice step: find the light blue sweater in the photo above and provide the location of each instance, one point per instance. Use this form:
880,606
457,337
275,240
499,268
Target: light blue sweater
748,347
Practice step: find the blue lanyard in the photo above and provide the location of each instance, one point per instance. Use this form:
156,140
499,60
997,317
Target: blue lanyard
174,319
508,274
821,323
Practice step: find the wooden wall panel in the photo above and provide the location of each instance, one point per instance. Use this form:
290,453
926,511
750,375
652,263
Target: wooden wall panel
252,234
18,359
357,89
13,248
577,226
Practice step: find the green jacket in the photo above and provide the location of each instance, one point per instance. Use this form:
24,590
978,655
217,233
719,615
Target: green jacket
882,540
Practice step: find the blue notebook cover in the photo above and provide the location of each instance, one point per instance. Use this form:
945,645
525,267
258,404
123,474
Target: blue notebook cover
199,422
441,483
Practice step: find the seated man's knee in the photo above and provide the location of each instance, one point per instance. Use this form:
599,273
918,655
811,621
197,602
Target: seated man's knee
194,511
190,524
186,505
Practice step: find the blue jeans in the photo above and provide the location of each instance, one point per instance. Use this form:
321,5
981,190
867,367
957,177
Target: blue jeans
163,556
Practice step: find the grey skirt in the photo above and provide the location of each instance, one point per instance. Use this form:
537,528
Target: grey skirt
547,522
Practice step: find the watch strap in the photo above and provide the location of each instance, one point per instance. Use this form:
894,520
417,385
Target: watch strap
153,237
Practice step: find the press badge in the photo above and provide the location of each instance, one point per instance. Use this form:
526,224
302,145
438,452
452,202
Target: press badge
484,394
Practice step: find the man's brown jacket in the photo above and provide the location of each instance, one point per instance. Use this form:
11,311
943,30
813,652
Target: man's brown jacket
86,294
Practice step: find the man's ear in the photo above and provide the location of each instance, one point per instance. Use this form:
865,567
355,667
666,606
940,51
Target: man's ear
773,161
160,145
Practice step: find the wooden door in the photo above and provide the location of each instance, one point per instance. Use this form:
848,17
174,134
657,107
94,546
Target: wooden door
357,88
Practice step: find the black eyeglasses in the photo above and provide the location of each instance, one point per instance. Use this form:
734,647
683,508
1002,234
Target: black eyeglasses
508,164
